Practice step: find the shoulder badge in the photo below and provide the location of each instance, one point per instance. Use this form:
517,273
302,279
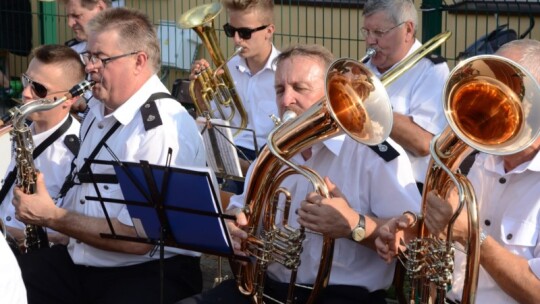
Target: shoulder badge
385,151
72,42
436,59
72,143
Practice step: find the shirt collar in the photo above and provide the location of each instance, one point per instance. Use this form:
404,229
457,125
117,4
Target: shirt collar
497,165
242,67
333,144
39,138
127,111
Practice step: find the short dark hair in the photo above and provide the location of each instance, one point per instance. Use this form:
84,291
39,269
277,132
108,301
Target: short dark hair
63,56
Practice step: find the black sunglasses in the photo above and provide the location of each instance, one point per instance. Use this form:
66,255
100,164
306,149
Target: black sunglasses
39,89
243,32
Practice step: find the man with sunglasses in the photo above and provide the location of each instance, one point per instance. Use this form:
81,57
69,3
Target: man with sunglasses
251,26
136,119
53,70
390,28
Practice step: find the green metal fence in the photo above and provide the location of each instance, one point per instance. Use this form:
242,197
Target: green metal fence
332,23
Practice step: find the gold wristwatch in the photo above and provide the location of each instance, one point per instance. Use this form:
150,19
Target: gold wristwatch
359,232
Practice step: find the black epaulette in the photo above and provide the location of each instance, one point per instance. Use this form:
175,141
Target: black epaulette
72,42
385,151
436,59
72,143
150,112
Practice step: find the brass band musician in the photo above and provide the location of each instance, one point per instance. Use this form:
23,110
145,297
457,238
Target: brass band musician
389,26
507,189
52,71
374,184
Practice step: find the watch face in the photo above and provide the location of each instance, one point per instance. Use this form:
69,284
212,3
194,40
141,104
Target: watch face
358,234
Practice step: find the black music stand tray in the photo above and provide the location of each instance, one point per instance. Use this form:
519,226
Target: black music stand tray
176,207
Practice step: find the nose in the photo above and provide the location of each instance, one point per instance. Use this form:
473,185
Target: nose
237,38
71,22
27,93
90,67
287,98
370,40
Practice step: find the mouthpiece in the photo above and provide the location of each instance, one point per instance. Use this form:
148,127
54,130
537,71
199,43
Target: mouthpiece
80,88
369,53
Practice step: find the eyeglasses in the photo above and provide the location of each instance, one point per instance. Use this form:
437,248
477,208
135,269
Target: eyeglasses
38,89
96,61
243,32
377,34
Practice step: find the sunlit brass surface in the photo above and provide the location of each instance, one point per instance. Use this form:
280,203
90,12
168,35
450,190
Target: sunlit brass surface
218,96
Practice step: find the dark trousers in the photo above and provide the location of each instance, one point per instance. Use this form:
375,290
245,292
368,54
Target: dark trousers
237,187
50,276
227,292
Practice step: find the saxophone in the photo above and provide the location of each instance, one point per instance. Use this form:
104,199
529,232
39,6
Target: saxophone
21,136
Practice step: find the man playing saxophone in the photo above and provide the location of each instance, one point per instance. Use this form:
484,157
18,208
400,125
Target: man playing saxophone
251,26
374,185
508,191
136,119
53,70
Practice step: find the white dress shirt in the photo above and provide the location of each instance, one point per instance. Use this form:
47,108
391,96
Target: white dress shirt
372,187
258,97
509,212
132,143
418,94
12,288
54,162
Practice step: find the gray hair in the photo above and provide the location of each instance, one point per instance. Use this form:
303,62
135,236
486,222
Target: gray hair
90,4
135,31
306,50
399,11
527,54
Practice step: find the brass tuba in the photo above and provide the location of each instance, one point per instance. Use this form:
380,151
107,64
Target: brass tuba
216,89
491,104
356,103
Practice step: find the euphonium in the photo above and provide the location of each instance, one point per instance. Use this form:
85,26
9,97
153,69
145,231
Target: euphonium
216,89
35,236
491,105
356,103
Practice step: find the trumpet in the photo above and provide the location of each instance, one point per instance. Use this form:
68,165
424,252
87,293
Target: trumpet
218,97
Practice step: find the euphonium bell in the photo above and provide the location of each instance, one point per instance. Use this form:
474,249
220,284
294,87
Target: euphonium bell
492,105
218,96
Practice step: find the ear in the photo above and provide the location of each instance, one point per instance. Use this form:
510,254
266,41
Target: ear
101,6
270,30
141,62
410,30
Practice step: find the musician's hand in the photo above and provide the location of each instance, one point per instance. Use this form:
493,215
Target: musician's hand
440,211
197,67
37,208
332,217
391,235
235,229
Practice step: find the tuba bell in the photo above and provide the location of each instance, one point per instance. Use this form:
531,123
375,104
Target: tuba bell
491,104
218,97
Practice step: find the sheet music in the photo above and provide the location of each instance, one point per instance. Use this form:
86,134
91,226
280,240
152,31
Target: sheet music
220,149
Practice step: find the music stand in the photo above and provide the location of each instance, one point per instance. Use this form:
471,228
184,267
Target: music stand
175,207
222,153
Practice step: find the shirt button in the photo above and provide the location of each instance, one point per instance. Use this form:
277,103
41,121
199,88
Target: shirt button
78,242
106,187
82,201
8,218
502,180
100,126
509,236
487,222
